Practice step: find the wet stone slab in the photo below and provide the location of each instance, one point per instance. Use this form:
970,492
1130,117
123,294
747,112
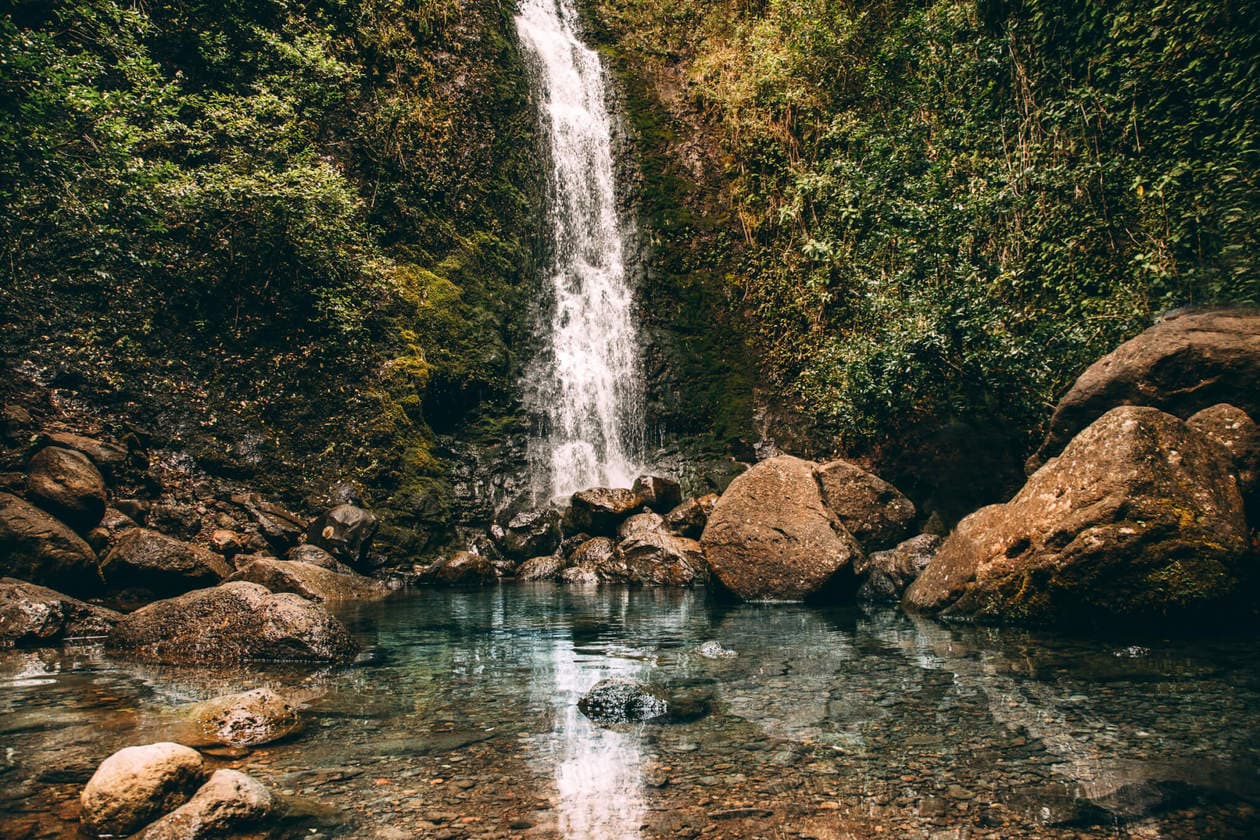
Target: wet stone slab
463,722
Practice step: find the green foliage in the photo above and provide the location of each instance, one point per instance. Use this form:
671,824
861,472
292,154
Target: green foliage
950,210
253,188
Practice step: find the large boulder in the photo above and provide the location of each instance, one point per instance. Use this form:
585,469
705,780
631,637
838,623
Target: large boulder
1235,431
887,574
530,534
108,457
641,523
137,784
771,536
280,527
877,514
657,492
67,484
464,568
146,560
1181,365
547,567
35,615
1138,518
38,547
248,719
600,510
659,559
345,532
689,518
113,525
598,557
228,805
311,582
234,622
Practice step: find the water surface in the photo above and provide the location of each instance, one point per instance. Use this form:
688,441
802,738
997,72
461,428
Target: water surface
462,722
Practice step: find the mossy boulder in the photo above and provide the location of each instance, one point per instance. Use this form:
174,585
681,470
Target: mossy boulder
1139,518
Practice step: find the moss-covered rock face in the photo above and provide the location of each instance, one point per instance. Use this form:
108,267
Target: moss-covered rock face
294,242
1139,518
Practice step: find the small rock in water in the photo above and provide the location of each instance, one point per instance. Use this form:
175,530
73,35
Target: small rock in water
620,700
714,650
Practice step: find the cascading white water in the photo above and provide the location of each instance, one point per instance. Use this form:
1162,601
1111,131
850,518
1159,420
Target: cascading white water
586,383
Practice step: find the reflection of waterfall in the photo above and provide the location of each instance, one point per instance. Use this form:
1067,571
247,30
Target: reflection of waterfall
586,383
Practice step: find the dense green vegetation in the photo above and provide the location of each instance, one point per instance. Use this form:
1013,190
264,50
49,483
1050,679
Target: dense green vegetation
305,226
947,209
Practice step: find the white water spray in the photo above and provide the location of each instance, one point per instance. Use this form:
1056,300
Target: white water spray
587,381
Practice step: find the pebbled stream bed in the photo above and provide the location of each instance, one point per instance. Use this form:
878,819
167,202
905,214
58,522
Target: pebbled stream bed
462,721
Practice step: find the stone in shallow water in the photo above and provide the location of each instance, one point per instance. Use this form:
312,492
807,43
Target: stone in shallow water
136,784
714,650
224,806
247,719
619,700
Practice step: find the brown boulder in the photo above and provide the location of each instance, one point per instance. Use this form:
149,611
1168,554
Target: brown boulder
37,547
1181,365
234,622
874,512
35,615
657,492
601,509
108,457
67,484
641,523
541,568
311,582
464,568
1235,431
345,532
886,574
248,719
600,555
660,559
1138,518
113,525
137,784
529,534
153,562
228,805
690,517
771,536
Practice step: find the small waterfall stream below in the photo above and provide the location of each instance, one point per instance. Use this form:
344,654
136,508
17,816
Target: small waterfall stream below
586,383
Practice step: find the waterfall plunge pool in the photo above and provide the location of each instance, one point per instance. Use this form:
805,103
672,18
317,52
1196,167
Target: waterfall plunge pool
462,721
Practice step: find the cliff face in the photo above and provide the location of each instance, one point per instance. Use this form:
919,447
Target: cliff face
294,243
925,219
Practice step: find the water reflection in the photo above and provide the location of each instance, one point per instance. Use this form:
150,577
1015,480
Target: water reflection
467,708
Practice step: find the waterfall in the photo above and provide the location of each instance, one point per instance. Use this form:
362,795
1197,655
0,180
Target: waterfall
586,383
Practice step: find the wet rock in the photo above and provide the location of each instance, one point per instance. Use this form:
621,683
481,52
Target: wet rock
659,493
1139,517
874,512
248,719
1181,365
641,523
316,556
144,559
599,555
137,784
571,544
68,485
715,650
541,568
106,533
771,537
531,534
311,582
345,532
227,805
233,622
689,518
620,700
280,527
37,547
601,509
36,615
1238,434
180,521
109,458
579,575
660,559
225,542
465,568
886,574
